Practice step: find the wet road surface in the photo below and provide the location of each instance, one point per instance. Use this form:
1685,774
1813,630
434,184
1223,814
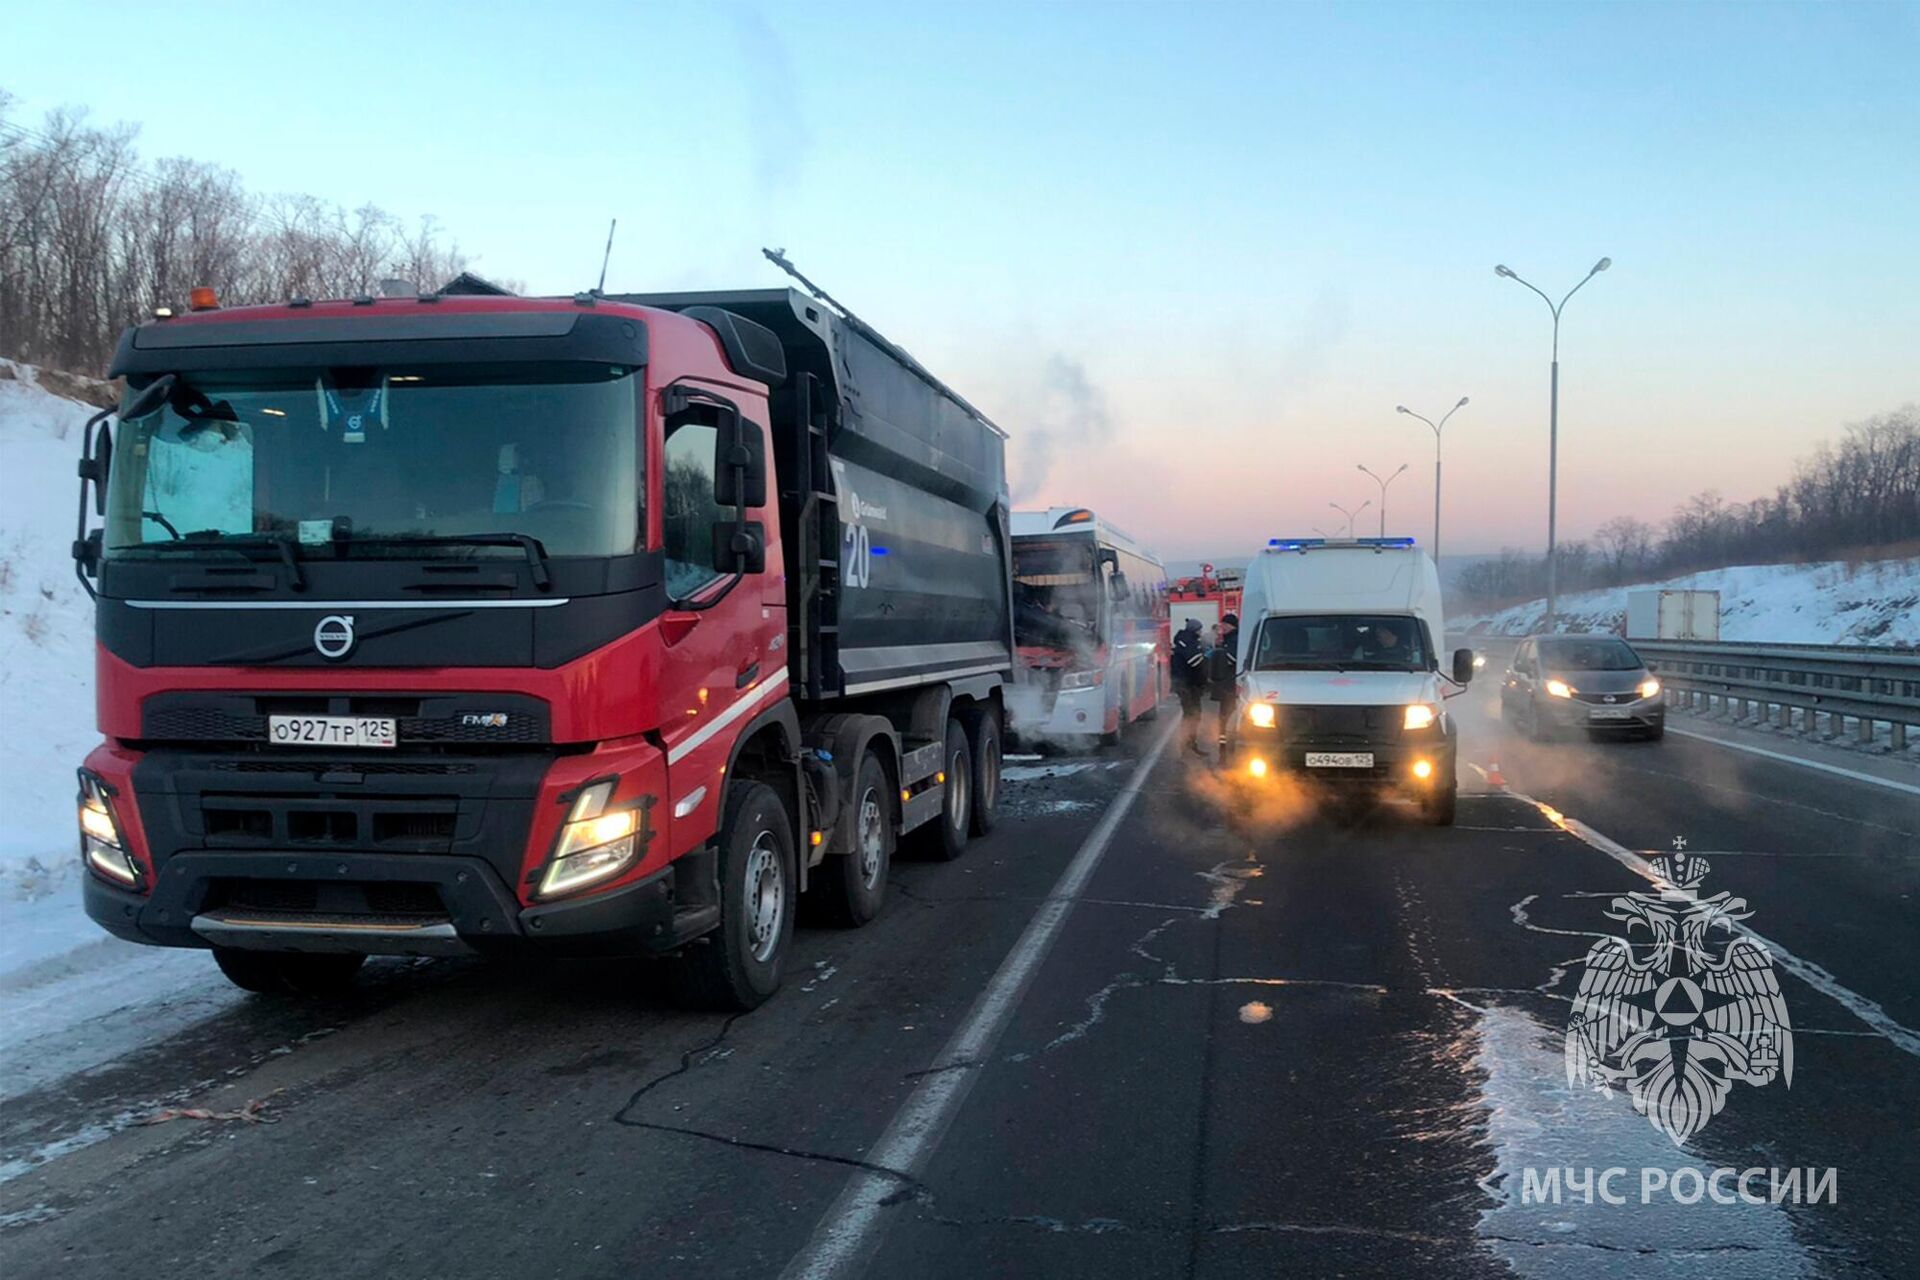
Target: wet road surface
1260,1039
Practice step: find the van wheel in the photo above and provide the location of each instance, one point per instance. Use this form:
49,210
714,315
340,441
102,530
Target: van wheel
945,837
986,771
1438,808
737,966
852,887
288,973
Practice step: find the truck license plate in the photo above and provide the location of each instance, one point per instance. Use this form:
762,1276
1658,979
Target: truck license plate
1611,713
1339,759
332,731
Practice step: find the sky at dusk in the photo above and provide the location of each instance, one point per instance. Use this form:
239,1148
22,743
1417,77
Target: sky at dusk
1190,257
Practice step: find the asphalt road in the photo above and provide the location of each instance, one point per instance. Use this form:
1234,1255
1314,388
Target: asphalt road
1248,1037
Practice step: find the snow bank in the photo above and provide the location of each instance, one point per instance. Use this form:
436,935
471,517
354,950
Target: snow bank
46,628
1826,602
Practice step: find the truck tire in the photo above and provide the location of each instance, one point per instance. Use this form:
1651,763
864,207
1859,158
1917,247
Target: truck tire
986,771
737,966
288,973
850,888
945,838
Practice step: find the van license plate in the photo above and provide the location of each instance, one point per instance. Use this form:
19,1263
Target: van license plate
1339,759
332,731
1611,713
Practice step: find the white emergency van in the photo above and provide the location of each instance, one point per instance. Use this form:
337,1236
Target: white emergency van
1341,676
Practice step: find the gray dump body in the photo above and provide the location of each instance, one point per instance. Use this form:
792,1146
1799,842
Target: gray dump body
917,587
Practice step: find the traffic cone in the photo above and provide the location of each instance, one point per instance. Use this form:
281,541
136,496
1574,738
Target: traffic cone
1493,774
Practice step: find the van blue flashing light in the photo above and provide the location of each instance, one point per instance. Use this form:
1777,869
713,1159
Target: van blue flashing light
1385,542
1294,544
1302,544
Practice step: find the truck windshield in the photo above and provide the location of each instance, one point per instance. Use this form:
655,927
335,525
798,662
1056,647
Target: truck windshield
1341,642
337,456
1056,593
1600,653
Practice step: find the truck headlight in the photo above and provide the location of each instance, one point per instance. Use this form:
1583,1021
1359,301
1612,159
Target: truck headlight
1559,689
596,843
1420,715
101,845
1261,714
1649,687
1082,679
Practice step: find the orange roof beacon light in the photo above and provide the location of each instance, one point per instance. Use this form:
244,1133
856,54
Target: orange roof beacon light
203,298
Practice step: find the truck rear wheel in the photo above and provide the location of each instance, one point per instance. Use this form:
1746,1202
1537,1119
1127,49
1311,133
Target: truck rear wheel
737,966
288,973
946,836
986,771
851,887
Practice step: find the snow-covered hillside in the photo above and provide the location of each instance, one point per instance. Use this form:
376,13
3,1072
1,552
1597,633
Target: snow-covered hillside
46,623
1826,602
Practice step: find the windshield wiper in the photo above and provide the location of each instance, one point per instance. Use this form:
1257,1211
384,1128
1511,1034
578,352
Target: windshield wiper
536,553
214,540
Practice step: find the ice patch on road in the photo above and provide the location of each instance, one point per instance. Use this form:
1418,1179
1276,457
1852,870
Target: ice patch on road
1536,1120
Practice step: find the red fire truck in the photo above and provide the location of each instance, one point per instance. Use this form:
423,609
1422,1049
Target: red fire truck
594,624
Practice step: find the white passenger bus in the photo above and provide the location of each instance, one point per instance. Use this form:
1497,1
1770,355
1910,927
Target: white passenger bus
1090,622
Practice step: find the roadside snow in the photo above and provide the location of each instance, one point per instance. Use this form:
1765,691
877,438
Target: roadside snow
1826,602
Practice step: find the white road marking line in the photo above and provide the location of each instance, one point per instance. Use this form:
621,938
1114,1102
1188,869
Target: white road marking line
1855,774
1868,1011
850,1229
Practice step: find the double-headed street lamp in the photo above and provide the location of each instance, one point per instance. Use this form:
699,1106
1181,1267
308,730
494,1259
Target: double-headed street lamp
1553,424
1400,408
1351,514
1383,492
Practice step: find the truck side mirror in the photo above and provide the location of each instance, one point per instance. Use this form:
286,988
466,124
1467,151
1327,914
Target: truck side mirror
86,553
1462,666
739,547
739,462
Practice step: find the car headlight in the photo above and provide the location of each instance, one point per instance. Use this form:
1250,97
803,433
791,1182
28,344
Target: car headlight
101,845
596,843
1262,715
1082,679
1420,715
1559,689
1649,687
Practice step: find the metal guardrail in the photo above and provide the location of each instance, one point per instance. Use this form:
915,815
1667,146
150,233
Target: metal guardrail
1794,686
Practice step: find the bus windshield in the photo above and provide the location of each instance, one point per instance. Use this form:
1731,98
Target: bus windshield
1056,592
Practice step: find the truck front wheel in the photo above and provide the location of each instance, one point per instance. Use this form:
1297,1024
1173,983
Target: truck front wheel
288,973
737,966
851,887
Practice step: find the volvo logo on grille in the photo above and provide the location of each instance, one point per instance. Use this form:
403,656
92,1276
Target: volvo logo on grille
333,637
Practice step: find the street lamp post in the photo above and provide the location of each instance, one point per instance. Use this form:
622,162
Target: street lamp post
1400,408
1383,492
1350,515
1553,426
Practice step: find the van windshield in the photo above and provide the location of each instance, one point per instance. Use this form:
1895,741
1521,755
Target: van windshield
1341,642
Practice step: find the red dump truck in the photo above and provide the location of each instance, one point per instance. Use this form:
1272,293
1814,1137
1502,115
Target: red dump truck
603,624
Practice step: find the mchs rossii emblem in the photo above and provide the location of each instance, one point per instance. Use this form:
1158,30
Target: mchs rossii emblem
1682,1007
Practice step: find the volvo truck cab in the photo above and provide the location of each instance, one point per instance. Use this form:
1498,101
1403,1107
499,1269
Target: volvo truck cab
1341,674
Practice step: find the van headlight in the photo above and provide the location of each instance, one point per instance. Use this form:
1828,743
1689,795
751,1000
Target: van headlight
1420,715
1559,689
596,843
1261,715
1649,687
101,845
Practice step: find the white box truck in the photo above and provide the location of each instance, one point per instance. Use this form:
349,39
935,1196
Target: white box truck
1341,675
1673,615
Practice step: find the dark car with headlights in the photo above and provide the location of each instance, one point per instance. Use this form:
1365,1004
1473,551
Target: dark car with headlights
1560,684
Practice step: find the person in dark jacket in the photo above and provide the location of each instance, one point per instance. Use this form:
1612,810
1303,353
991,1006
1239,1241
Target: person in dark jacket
1188,663
1223,675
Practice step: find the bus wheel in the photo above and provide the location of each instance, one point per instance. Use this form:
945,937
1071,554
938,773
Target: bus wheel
737,966
986,771
851,887
946,835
